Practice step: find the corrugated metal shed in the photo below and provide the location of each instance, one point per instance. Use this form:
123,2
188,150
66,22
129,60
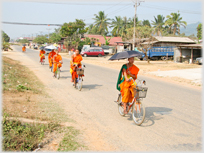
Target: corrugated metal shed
174,39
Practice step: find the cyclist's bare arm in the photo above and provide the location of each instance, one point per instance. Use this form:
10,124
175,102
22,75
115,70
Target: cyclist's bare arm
125,74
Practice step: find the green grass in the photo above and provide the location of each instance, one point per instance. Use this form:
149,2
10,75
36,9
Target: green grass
24,137
17,77
69,142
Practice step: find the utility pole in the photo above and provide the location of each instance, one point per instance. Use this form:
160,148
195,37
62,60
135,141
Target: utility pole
48,32
136,5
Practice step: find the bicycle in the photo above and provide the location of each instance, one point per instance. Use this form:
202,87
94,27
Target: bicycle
78,81
136,106
57,72
42,61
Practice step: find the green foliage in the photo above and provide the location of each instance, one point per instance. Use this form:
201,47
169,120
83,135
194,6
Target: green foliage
23,41
101,23
68,29
174,22
21,87
69,142
107,40
41,40
17,77
158,24
23,137
55,38
199,31
5,37
146,23
6,46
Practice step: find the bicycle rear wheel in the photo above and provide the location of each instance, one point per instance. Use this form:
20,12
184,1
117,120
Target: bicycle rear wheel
120,106
79,84
138,113
58,73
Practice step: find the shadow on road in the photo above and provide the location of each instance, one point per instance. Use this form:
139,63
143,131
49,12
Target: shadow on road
90,87
155,113
64,77
152,114
65,71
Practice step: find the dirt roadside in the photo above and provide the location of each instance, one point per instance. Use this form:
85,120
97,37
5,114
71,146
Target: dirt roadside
89,135
145,68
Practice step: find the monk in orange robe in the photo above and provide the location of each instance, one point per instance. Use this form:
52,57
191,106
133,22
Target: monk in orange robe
75,60
42,55
50,57
24,48
127,85
57,61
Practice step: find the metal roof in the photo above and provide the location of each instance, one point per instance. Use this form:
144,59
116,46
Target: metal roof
192,45
174,39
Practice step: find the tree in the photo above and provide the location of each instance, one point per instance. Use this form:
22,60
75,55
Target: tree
146,22
101,22
23,41
5,37
199,31
174,22
74,31
107,40
142,32
55,38
116,24
41,40
158,24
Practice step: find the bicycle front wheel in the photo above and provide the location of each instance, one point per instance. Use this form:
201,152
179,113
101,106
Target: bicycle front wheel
79,84
120,106
58,74
138,113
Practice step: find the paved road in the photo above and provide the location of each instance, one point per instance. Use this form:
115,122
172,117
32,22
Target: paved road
173,113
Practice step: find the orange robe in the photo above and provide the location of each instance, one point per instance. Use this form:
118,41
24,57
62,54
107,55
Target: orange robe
76,60
50,57
23,48
127,88
42,56
56,62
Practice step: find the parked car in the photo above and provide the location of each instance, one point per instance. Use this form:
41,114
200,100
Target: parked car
199,60
93,51
42,47
47,51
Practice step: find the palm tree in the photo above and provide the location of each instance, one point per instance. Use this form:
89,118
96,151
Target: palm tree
174,22
158,23
116,25
101,22
125,26
146,23
131,22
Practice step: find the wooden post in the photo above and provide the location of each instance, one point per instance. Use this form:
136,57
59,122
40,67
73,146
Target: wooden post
180,54
192,55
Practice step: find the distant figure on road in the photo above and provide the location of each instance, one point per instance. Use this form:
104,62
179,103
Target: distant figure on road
50,57
23,48
74,63
57,61
42,55
124,84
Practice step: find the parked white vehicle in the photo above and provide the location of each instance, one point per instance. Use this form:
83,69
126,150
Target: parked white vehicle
199,60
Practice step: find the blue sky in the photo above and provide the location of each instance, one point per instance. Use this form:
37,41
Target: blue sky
59,12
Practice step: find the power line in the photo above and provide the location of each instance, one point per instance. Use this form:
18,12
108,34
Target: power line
79,3
171,9
40,24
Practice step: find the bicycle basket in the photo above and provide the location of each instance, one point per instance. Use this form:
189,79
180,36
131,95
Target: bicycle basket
142,91
80,71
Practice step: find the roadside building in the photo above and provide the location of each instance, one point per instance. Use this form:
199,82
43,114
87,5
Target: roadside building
185,49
